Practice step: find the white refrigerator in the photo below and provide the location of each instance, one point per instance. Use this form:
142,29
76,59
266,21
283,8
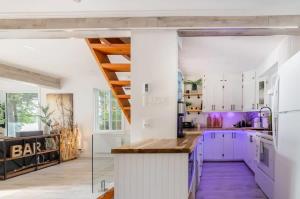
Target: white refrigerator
286,123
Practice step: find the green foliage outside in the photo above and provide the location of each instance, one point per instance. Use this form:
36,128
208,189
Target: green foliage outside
22,108
2,115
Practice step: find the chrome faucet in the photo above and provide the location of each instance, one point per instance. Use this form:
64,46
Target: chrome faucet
270,117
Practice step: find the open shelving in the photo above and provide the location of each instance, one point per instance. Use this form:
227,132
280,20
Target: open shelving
15,166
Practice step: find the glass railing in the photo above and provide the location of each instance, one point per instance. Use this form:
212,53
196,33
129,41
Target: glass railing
102,166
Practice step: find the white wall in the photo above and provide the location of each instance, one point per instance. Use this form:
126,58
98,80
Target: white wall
154,61
286,49
83,99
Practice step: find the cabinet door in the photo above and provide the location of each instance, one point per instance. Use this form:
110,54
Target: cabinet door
233,92
238,145
249,91
228,146
208,146
213,146
213,92
219,145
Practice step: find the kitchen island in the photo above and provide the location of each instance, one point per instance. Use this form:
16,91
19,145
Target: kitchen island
158,168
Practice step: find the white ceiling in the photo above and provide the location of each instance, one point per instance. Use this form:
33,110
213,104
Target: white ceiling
226,54
81,8
63,58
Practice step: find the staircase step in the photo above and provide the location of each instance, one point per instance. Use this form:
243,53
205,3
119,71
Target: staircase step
123,96
112,49
117,67
120,83
127,108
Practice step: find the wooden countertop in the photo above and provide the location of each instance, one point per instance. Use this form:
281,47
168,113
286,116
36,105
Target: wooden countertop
179,145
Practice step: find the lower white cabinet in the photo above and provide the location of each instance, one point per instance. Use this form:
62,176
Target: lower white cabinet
223,145
250,150
213,146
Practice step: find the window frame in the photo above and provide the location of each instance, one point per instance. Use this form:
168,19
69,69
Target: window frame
109,131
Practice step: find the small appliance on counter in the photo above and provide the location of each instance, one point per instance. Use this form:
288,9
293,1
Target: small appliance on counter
188,125
242,124
180,118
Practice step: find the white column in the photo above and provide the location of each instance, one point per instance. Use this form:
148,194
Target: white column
154,61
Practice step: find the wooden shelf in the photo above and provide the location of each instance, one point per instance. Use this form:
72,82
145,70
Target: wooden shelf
192,95
47,151
47,164
25,156
193,111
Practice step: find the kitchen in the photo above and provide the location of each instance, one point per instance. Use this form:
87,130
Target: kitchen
227,114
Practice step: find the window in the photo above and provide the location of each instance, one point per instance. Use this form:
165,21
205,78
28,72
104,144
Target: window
108,113
22,110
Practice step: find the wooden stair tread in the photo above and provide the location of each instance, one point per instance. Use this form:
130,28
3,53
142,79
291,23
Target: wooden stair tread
116,67
127,108
123,96
120,83
112,49
108,195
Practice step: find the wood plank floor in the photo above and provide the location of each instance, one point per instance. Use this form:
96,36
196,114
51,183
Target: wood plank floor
229,180
69,180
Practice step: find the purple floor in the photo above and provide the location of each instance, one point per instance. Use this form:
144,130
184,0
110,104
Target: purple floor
228,180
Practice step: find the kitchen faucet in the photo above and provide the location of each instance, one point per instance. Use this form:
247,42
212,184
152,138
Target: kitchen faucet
270,117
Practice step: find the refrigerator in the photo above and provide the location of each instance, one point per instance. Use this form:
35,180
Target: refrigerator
286,121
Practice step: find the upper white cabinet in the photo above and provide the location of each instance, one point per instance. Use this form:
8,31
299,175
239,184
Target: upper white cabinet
249,91
213,92
233,92
222,92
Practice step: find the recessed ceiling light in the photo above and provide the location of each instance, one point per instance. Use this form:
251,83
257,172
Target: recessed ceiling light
77,1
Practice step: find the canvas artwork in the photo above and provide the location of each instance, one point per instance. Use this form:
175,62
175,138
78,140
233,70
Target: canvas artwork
62,107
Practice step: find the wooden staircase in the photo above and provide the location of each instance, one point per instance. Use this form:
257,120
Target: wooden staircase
102,48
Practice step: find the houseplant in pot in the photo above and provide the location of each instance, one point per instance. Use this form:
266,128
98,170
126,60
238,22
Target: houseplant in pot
194,84
45,118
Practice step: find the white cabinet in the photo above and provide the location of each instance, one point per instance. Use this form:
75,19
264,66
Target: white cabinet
213,92
213,146
239,145
249,91
223,92
223,145
233,92
228,146
250,150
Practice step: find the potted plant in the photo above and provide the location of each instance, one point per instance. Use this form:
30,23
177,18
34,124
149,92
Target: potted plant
188,104
194,84
45,118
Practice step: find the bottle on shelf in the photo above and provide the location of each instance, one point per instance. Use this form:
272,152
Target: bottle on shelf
209,121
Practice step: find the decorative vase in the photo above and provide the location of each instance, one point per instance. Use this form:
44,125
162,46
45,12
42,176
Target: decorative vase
46,130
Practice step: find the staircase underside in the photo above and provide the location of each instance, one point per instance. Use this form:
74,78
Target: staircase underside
101,49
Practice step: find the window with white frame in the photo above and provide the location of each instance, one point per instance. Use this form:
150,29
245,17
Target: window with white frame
108,113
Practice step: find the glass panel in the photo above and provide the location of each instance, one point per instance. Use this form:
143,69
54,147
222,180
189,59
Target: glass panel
103,169
2,113
22,111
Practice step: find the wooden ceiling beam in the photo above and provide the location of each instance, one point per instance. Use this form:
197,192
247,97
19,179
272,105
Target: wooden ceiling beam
238,32
150,22
14,73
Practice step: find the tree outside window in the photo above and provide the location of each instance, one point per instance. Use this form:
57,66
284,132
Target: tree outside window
22,109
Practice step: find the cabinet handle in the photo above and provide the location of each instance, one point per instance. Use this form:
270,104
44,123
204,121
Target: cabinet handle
257,106
233,107
232,135
253,106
